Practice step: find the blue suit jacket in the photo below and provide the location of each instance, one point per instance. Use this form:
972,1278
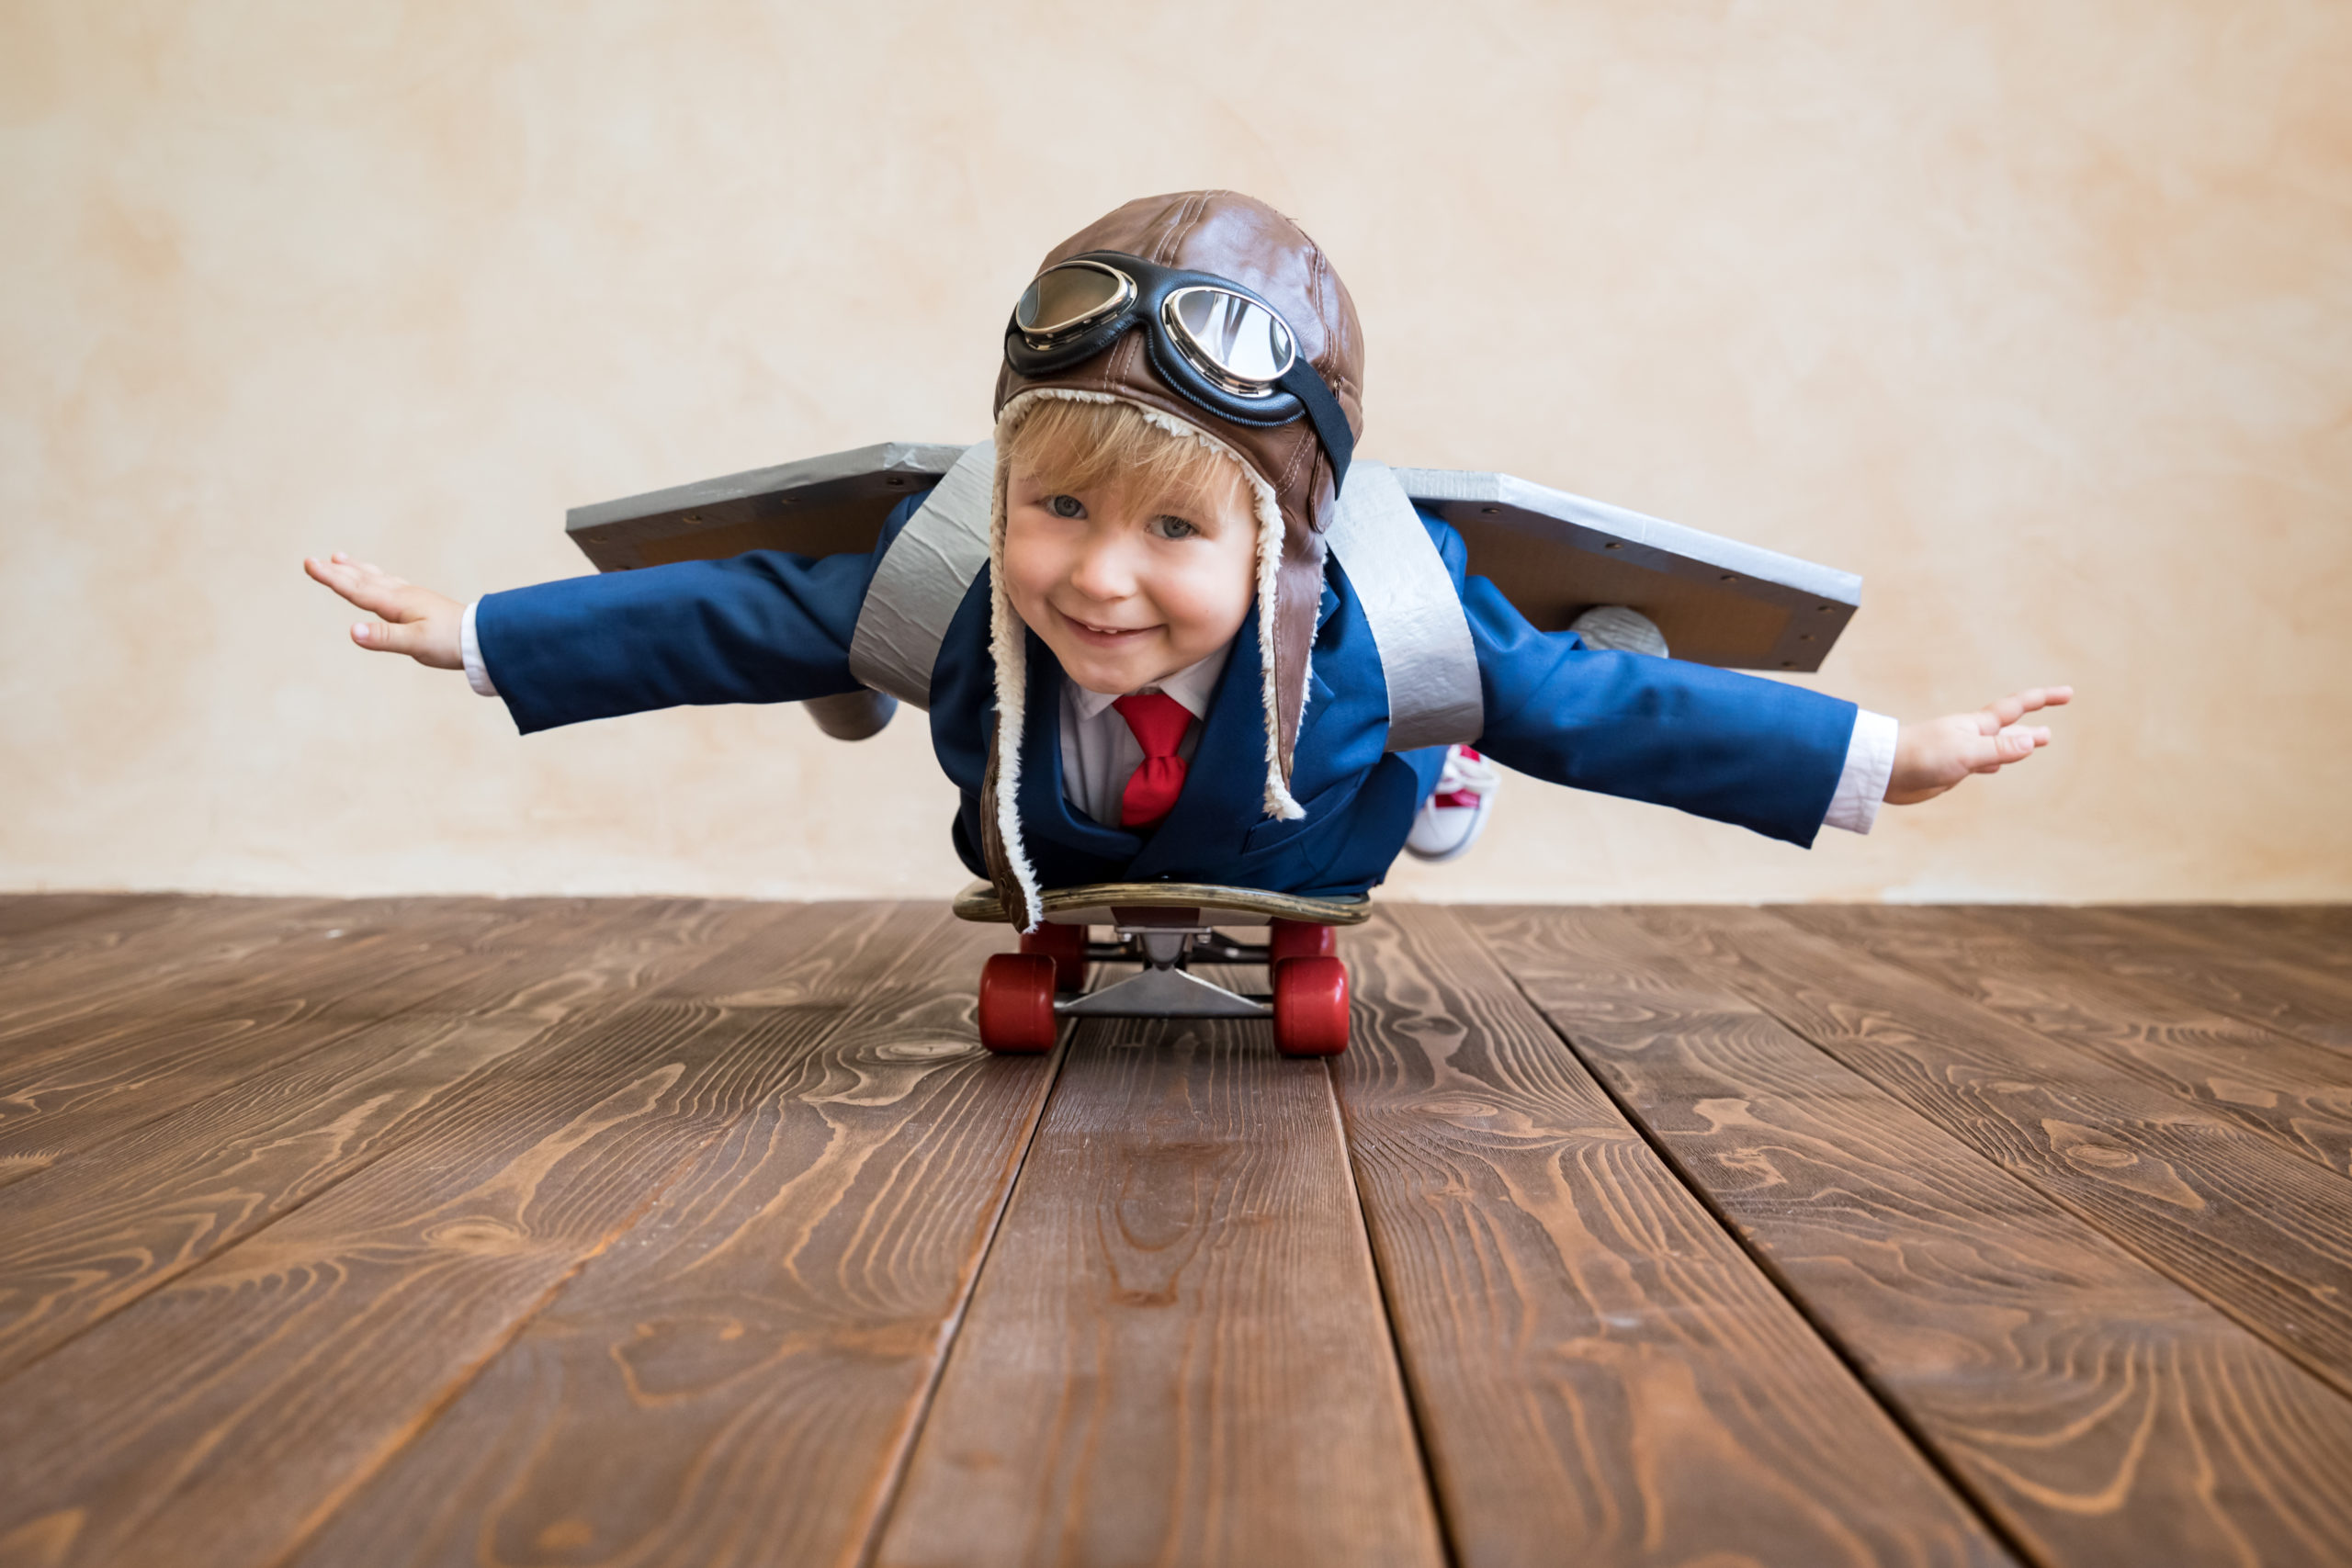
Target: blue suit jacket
769,627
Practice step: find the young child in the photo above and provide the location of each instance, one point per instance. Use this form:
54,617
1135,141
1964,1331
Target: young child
1161,673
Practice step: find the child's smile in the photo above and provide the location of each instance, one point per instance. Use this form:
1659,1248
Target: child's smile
1103,637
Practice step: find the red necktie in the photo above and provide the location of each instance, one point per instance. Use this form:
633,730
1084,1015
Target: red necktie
1158,722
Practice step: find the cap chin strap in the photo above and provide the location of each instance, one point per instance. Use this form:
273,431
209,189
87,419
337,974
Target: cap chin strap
1303,381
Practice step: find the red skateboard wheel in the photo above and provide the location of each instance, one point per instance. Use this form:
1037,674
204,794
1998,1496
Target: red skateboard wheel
1017,1003
1065,945
1301,939
1310,1007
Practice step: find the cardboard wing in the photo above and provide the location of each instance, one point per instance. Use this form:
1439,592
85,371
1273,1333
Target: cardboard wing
1554,554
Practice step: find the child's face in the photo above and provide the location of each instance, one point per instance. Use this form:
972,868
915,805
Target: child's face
1128,589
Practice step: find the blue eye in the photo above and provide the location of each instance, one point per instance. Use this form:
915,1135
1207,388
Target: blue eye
1173,527
1065,506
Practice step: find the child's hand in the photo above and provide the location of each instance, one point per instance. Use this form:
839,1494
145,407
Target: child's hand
1930,758
426,625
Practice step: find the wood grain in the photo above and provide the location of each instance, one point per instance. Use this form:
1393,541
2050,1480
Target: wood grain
737,1381
217,1419
2317,934
1602,1375
2311,1001
2103,1412
83,1240
2297,1093
1176,1354
104,1076
249,959
2256,1231
101,972
41,915
136,931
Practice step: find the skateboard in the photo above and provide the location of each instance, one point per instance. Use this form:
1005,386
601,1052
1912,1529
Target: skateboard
1164,926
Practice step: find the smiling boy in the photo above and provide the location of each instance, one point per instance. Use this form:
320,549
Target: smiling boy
1177,413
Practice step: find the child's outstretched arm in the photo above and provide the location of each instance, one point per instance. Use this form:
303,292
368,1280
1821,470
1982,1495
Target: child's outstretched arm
426,625
764,627
1931,757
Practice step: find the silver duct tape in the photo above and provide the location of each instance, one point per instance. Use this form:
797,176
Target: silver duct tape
923,580
1426,655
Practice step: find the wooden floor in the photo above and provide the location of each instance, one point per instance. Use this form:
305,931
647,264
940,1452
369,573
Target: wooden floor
637,1231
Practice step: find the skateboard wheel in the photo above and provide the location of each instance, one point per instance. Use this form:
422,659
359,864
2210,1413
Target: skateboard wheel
1065,945
1301,939
1310,1007
1017,1003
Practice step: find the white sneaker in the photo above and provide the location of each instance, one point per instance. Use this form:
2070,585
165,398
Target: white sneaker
1449,820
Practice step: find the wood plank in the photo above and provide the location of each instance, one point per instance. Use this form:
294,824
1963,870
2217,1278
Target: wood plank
1602,1375
100,947
39,915
2102,1413
2309,1000
232,961
2315,934
81,1241
293,999
2255,1230
737,1381
96,954
152,960
1176,1353
217,1419
2297,1094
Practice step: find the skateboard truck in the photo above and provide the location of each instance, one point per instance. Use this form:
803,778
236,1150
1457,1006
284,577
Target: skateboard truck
1165,987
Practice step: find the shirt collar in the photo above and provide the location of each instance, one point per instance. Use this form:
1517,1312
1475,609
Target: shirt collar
1191,686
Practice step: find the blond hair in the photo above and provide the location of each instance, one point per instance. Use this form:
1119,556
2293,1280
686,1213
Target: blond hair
1070,446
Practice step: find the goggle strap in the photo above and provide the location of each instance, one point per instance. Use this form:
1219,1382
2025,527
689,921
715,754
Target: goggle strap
1304,383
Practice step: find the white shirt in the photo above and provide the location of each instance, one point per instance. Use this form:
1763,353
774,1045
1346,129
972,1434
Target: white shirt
1869,766
1099,750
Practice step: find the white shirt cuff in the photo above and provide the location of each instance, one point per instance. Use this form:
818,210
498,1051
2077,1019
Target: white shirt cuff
1869,764
478,673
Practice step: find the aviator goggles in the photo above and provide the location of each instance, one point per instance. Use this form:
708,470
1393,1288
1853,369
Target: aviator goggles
1212,341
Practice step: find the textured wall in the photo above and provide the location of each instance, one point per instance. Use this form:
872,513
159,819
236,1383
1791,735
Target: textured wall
2039,317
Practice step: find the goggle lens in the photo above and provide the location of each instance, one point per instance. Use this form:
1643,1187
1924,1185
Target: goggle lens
1069,297
1241,344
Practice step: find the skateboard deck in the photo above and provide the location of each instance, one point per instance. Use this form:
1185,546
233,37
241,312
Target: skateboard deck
1166,903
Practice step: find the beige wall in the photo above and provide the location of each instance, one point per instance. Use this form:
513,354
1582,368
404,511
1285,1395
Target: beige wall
2039,317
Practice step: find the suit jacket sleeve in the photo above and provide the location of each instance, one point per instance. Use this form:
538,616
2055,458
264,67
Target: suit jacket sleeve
1735,748
763,628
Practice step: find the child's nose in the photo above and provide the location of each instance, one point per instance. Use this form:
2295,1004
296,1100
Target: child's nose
1105,570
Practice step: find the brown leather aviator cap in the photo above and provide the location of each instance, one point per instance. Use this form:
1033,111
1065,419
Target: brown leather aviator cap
1247,243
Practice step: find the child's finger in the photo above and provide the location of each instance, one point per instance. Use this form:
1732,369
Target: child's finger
2009,709
326,573
361,584
382,638
2034,699
335,578
2013,743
